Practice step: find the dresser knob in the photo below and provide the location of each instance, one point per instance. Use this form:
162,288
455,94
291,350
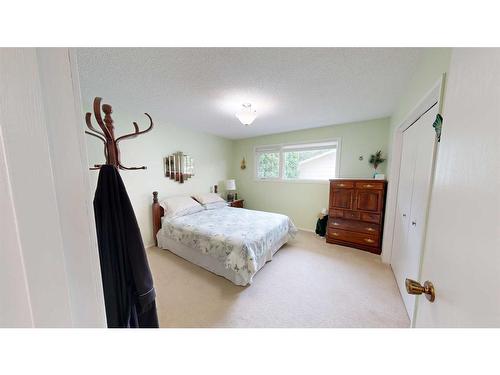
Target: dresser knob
370,229
369,240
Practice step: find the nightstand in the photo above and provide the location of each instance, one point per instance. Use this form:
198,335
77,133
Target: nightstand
237,203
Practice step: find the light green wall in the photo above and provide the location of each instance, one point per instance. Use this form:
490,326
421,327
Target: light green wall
212,156
434,62
299,200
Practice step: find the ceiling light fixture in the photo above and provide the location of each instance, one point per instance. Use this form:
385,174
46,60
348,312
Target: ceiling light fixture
247,115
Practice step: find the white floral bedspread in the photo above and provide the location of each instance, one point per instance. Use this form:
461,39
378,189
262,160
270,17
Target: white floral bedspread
237,237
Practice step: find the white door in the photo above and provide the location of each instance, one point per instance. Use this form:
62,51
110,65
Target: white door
49,262
462,250
413,195
399,257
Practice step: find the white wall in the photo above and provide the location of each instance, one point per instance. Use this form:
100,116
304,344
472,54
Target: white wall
212,158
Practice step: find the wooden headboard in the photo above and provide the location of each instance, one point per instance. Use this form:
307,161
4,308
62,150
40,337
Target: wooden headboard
157,215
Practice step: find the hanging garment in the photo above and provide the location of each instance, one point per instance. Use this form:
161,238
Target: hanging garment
129,294
321,226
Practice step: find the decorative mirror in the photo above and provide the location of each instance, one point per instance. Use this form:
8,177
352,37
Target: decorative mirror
179,167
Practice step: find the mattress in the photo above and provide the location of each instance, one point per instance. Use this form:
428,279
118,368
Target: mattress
231,242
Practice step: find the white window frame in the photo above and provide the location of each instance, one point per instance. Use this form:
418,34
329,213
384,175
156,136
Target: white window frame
281,148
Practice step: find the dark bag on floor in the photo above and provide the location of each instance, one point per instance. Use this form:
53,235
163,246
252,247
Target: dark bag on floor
129,294
321,226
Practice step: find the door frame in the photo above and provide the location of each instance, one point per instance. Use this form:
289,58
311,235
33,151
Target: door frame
52,243
434,96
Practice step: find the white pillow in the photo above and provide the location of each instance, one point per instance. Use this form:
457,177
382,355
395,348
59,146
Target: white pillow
208,198
190,211
180,206
215,205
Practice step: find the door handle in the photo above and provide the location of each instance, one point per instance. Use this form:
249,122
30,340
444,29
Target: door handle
414,223
404,215
414,287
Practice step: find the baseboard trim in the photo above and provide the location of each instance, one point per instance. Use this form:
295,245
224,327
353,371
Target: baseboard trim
147,246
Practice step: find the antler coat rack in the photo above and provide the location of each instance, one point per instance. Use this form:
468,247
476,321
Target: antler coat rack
107,135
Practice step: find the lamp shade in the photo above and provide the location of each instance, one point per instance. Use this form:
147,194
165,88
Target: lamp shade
247,115
230,185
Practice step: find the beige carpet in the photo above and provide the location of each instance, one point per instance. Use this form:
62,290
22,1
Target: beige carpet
307,284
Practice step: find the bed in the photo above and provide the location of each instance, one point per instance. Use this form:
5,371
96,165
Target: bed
231,242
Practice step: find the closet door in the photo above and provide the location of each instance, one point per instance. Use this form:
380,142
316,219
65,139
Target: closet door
413,197
399,256
422,181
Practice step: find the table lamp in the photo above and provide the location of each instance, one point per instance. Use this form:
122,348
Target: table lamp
230,188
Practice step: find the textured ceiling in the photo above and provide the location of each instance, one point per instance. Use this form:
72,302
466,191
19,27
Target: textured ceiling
290,88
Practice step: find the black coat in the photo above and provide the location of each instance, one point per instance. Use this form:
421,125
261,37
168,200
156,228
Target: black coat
129,294
321,226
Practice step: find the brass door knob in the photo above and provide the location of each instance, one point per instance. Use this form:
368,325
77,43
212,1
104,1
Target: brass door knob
414,287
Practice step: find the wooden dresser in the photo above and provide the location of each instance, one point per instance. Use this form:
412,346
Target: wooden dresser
356,213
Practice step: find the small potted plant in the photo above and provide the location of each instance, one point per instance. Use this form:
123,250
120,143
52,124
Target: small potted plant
375,160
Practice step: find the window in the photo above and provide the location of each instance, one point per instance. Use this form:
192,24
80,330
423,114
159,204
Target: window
301,161
268,163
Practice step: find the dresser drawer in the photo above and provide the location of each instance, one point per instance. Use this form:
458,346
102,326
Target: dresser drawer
370,185
342,184
355,226
372,218
351,215
335,213
354,237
